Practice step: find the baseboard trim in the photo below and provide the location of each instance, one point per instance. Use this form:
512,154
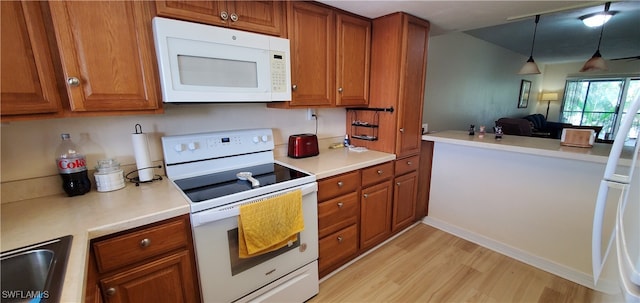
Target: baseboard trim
523,256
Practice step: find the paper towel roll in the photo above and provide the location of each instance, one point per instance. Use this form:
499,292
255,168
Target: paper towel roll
143,159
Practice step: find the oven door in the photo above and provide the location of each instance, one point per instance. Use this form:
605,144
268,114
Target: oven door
223,276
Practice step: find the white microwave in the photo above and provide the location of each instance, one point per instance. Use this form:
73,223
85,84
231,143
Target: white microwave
203,63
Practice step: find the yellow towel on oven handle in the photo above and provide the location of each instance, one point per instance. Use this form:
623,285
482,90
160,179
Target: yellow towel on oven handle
269,224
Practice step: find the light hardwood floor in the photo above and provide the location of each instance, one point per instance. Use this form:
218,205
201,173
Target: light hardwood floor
428,265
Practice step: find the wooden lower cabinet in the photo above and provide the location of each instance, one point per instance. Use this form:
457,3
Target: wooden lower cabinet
338,213
162,280
405,191
337,249
424,179
375,214
361,209
153,263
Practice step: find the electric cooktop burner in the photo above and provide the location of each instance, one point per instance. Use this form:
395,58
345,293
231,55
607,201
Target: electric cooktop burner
211,186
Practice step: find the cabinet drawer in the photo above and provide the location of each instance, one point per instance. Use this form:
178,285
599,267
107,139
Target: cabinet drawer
338,247
376,174
407,164
139,245
337,213
338,185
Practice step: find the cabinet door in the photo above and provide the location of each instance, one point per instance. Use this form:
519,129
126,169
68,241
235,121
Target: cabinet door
196,11
353,57
311,31
375,214
412,87
107,54
28,77
405,192
168,279
265,17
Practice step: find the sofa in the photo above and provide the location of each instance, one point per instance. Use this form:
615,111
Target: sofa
532,125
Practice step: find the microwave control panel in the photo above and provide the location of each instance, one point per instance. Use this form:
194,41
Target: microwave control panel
278,72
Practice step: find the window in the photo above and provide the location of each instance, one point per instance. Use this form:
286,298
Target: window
600,102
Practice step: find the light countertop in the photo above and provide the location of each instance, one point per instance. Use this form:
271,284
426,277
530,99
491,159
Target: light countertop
333,162
86,217
528,145
96,214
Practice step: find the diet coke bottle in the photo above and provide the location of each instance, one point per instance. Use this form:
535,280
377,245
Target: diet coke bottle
72,167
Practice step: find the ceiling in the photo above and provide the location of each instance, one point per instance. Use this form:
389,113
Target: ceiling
561,36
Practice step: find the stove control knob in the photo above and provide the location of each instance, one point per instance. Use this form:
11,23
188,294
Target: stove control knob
179,147
265,138
256,139
192,146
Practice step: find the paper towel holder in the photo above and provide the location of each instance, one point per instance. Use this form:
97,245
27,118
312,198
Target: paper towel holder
136,180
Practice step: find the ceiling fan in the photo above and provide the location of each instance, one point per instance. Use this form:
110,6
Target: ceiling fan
632,58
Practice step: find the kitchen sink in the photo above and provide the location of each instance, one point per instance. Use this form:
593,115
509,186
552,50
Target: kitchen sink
35,273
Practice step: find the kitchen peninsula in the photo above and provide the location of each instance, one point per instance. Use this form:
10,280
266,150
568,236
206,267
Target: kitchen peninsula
528,198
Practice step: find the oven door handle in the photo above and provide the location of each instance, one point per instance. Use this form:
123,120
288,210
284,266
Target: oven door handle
233,210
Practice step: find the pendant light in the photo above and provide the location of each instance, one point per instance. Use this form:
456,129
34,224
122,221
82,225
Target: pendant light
531,67
597,63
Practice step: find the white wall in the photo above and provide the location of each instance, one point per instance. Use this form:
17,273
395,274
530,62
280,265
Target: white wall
471,81
28,147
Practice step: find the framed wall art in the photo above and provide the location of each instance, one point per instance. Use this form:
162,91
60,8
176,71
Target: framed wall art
525,89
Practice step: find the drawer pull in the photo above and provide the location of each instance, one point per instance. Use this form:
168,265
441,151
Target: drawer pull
111,291
234,17
340,204
340,183
398,183
409,163
380,172
340,239
366,195
145,242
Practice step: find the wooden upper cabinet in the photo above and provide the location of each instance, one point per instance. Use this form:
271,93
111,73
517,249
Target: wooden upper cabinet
413,71
107,54
311,31
398,66
353,58
266,17
28,76
330,57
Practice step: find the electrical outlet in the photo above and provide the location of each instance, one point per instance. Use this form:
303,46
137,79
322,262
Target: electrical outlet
310,114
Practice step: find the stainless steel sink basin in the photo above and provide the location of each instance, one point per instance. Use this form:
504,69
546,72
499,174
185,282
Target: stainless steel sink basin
35,271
